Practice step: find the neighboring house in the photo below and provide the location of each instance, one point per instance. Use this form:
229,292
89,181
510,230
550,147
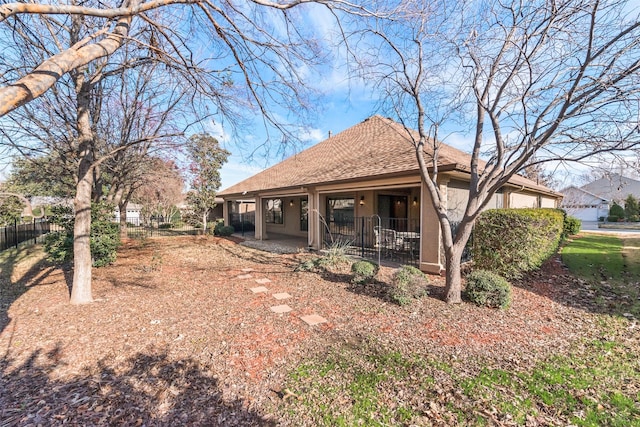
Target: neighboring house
593,200
614,187
134,211
362,186
584,205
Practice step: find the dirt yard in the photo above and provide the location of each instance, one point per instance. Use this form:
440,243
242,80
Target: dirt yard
176,336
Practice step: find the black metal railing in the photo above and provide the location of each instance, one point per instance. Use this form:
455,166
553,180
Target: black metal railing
33,232
391,239
137,228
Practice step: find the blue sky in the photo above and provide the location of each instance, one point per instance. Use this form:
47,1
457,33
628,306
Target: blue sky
345,103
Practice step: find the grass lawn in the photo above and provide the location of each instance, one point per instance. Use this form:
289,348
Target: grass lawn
177,336
601,257
611,267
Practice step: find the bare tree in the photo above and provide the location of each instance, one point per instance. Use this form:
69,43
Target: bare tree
537,82
232,58
159,188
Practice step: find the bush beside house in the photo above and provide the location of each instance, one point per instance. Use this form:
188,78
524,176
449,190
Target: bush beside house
511,242
487,289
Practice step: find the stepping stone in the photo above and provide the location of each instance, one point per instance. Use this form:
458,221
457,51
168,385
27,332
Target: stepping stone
282,295
281,308
263,281
246,270
313,319
245,276
259,289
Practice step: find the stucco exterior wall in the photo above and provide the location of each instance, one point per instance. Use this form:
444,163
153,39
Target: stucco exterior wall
523,200
547,202
291,218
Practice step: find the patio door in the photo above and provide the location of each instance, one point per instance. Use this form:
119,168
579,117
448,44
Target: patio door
393,211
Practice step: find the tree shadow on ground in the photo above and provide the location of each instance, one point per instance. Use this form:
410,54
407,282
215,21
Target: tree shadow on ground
11,288
619,298
260,257
147,389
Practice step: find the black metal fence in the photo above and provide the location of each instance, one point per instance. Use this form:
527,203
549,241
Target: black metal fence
137,228
243,222
33,232
391,239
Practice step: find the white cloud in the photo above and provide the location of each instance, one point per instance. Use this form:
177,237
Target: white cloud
312,135
216,129
235,171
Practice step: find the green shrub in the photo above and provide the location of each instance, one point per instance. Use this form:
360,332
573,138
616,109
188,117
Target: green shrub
224,230
487,289
363,272
511,242
571,226
616,210
631,208
104,237
408,283
634,218
612,218
165,225
312,264
601,219
59,246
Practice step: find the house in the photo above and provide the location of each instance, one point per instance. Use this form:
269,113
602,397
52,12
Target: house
134,211
584,205
363,186
593,200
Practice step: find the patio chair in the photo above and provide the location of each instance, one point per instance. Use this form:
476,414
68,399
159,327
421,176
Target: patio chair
386,239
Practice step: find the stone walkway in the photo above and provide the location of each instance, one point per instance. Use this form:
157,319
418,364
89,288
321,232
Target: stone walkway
311,320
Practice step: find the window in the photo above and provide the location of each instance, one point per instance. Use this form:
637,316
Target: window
273,215
304,215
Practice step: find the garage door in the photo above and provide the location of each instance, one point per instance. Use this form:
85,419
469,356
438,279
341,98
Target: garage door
586,214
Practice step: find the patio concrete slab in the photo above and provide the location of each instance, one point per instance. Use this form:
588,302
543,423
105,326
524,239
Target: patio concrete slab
259,289
281,308
245,276
281,295
313,319
263,281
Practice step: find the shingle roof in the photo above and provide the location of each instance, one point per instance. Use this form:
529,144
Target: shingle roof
375,147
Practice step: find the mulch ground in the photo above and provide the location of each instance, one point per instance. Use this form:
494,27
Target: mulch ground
176,338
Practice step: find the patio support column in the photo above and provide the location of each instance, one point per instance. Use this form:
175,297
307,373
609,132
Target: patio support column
261,226
225,212
313,235
430,235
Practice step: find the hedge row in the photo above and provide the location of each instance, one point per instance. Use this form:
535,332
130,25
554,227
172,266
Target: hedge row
510,242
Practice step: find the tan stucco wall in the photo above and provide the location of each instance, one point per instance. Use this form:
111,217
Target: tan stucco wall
430,247
523,200
547,202
291,218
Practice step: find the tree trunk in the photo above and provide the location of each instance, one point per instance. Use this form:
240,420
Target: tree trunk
81,290
453,261
204,221
122,207
453,276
